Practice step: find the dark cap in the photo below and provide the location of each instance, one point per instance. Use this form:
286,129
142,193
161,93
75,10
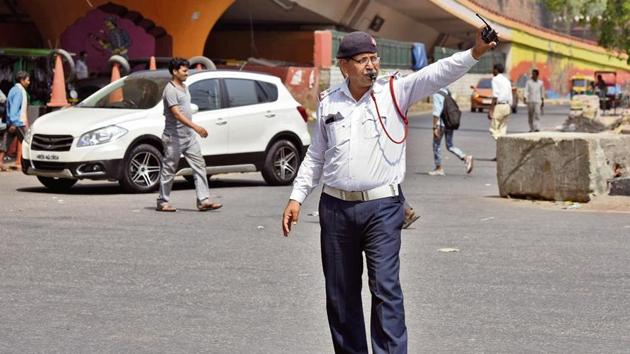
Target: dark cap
356,43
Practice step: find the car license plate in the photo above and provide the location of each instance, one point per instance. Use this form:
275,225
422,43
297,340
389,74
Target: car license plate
486,101
49,157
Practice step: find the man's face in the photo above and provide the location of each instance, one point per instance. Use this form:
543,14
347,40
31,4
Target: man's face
181,74
25,82
357,68
534,75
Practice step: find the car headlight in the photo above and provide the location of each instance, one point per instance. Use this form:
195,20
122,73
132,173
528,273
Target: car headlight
101,136
28,136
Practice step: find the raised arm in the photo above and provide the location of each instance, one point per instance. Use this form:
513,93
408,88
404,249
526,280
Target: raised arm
429,79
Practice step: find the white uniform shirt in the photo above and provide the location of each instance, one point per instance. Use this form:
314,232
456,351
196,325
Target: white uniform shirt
81,69
534,91
352,152
502,89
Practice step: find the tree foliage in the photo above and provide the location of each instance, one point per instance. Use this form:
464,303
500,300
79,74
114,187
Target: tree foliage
608,19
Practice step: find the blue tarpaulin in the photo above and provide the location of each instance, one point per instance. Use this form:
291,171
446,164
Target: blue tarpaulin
418,56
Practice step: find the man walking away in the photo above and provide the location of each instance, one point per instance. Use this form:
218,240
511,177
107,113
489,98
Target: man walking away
440,130
17,119
179,138
81,67
534,98
501,105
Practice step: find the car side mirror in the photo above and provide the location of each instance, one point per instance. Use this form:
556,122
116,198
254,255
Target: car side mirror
194,108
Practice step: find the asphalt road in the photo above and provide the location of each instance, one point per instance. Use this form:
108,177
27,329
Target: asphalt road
98,271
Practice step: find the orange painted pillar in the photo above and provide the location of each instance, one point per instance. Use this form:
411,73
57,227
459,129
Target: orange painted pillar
322,53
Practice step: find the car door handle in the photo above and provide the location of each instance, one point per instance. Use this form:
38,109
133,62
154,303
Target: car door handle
270,115
221,122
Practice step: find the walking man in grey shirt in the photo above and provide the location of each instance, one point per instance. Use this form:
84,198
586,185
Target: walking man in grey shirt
179,138
535,99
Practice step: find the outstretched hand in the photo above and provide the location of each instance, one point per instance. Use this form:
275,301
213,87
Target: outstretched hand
482,47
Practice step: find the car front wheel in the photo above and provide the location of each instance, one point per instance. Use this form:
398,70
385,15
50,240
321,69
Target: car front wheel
142,169
57,184
281,163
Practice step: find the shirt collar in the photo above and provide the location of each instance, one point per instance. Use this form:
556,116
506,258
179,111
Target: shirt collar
376,88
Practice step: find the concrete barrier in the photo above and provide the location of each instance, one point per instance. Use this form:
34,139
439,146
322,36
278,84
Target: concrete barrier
559,166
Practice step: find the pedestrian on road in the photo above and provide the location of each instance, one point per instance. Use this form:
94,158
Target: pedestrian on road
535,99
179,138
439,131
17,119
359,155
602,88
81,67
501,105
3,102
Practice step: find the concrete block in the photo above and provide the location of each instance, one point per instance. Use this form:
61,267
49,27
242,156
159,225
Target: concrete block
559,166
624,129
586,106
620,186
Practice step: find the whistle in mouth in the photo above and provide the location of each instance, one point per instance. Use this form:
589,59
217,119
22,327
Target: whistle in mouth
372,76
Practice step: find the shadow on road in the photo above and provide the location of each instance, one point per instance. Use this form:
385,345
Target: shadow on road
114,188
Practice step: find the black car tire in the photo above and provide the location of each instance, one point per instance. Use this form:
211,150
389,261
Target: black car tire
281,163
57,184
141,169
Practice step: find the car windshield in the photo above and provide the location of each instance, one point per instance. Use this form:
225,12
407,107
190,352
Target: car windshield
128,93
484,84
579,82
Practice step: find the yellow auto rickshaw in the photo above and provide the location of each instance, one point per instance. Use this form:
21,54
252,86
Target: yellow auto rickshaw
582,85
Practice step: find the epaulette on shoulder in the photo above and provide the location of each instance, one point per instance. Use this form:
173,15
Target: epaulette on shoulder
328,92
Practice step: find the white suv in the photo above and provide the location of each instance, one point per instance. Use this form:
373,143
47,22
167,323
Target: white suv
253,123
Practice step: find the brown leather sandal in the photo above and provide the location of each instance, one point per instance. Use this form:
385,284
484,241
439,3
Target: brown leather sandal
208,205
166,207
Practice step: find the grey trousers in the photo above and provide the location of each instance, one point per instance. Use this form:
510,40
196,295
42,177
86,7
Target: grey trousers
533,114
174,147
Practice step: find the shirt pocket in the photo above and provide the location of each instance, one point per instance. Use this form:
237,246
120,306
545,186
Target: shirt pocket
338,132
166,139
370,126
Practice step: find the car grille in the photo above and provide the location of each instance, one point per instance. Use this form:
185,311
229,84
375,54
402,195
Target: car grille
51,142
48,166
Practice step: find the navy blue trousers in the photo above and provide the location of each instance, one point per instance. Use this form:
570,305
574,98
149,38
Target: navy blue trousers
349,229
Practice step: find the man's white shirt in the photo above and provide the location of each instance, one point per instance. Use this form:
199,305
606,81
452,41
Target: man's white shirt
81,70
349,149
534,91
502,89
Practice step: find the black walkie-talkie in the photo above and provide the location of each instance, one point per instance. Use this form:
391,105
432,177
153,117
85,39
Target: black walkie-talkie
488,34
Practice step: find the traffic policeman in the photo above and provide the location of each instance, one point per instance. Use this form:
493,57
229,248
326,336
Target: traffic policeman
358,152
